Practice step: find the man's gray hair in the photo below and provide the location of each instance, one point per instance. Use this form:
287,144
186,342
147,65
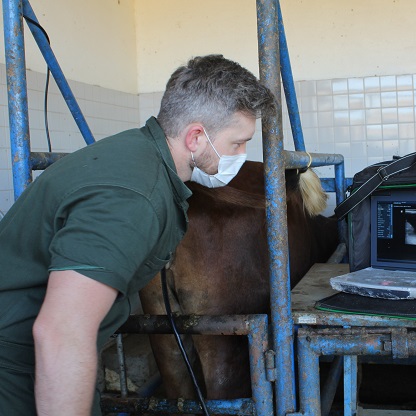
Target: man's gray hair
210,90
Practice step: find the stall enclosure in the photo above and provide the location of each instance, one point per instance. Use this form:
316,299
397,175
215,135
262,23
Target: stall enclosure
273,55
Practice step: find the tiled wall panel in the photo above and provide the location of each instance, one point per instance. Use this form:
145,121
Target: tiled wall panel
365,119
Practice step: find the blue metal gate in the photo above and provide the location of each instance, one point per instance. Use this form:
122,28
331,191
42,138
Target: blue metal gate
268,373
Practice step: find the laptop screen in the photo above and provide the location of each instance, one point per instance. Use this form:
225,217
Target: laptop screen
393,230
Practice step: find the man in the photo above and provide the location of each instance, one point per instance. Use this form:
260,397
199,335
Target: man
96,226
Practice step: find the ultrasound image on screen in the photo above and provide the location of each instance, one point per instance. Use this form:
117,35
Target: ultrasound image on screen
396,236
410,215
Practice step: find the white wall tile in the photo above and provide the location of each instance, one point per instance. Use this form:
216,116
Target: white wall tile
371,84
373,116
389,99
404,82
390,131
356,101
373,100
389,115
341,102
405,114
340,86
388,83
355,85
358,133
405,98
407,131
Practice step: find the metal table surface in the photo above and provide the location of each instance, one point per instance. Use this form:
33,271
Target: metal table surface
315,286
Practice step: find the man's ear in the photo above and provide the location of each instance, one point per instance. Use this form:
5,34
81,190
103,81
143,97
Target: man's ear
193,135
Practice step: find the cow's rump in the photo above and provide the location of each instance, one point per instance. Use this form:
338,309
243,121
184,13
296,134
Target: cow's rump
220,268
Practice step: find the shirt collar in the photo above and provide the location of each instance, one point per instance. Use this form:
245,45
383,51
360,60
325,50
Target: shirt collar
181,190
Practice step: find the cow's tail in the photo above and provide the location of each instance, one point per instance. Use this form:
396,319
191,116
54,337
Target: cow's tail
313,195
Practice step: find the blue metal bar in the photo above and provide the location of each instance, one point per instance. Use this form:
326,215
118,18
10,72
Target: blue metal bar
309,389
340,182
153,405
258,345
289,86
41,160
294,160
350,385
58,74
281,319
254,326
328,184
17,95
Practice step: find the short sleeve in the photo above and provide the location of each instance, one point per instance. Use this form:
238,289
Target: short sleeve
104,232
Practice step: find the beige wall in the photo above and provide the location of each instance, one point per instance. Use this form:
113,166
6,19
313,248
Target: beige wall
169,32
348,38
133,45
327,39
94,41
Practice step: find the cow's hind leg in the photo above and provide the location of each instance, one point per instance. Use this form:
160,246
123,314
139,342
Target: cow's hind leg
176,379
224,361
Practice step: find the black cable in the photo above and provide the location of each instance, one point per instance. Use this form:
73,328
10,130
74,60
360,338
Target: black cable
45,105
179,341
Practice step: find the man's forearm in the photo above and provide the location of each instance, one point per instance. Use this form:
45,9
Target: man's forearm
65,378
65,335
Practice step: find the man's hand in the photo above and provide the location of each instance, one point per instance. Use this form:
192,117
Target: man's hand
65,334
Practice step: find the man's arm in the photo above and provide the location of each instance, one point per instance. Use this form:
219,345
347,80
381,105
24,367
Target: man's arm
65,334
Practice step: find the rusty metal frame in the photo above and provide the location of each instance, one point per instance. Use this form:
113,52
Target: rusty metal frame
255,327
265,369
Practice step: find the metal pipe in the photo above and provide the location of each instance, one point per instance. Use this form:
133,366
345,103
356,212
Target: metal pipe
350,385
17,95
189,324
254,326
57,74
139,406
340,182
289,86
281,319
122,366
41,160
258,345
309,389
295,160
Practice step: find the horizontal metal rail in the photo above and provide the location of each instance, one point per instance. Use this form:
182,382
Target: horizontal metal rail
41,160
255,327
350,343
139,406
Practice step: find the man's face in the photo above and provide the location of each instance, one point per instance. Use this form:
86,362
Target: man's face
232,140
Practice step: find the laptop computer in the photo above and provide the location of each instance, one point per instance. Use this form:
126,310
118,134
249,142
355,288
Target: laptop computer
392,274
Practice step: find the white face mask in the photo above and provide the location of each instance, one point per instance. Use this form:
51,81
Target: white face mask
228,167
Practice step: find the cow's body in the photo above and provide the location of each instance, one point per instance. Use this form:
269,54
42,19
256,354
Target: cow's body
221,267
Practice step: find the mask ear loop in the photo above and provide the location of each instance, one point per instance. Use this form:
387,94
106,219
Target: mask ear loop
193,159
210,142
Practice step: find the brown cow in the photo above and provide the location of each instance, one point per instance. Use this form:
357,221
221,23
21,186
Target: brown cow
220,268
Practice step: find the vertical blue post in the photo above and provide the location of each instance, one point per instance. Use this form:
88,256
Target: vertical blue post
289,86
350,385
309,388
261,387
58,74
277,238
17,95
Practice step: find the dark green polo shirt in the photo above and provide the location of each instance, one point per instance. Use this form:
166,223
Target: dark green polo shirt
113,211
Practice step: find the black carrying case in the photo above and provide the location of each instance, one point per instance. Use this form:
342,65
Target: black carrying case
398,174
